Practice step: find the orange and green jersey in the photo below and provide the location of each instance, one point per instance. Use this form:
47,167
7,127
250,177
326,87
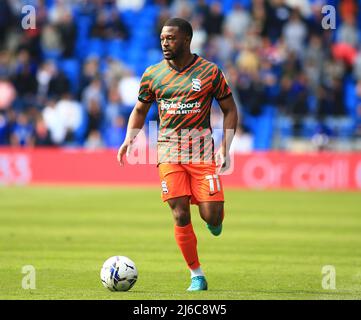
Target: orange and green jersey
184,99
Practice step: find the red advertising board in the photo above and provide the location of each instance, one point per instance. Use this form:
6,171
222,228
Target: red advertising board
266,170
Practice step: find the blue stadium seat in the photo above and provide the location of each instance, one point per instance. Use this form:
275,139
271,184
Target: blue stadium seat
342,127
309,127
71,68
154,56
129,17
350,97
116,48
261,127
83,24
49,3
79,133
94,47
284,125
51,54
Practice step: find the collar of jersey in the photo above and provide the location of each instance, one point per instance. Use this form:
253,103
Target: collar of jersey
186,67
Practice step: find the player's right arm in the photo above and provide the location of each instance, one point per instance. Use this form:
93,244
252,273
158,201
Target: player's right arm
135,124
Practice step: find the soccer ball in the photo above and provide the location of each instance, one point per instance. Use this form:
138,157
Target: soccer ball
118,273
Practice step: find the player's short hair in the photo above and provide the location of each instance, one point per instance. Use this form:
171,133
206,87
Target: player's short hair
183,25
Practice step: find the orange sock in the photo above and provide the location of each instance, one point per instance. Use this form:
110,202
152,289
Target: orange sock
187,243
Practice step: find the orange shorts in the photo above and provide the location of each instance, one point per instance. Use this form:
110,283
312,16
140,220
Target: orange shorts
199,181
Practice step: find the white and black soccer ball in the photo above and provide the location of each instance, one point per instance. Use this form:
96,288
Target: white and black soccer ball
119,273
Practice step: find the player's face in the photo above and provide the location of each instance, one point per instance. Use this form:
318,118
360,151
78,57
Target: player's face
173,42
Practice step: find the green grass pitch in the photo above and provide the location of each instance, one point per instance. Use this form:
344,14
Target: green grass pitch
274,244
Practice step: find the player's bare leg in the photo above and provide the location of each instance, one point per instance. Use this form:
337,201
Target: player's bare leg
181,210
187,241
212,212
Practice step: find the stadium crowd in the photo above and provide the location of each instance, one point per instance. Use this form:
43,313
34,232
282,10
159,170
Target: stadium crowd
73,80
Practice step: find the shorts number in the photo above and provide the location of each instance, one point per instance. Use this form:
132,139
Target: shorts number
211,179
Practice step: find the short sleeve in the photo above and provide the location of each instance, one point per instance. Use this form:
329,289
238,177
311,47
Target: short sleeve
221,89
145,93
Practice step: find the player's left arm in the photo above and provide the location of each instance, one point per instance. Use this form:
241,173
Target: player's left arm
230,121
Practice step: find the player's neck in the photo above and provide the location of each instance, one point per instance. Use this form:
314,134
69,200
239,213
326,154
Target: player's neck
183,61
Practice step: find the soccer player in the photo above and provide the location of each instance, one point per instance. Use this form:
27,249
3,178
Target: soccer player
184,85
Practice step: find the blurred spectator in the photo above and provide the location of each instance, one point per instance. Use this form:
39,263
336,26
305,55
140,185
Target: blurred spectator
303,6
4,129
94,92
199,36
224,47
276,15
44,74
108,25
338,107
94,140
6,20
59,83
24,79
182,9
71,116
42,134
299,103
115,133
348,8
5,64
113,108
63,119
358,122
128,89
248,61
357,66
58,10
90,72
252,93
51,41
129,5
237,21
95,117
7,94
67,31
22,133
331,100
332,69
164,15
113,72
213,19
201,8
295,32
313,59
56,128
285,98
283,67
347,32
315,20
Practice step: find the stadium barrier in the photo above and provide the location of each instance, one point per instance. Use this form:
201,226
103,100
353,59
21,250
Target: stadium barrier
261,170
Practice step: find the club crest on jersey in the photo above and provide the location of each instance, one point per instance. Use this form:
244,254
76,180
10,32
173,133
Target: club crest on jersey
196,84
